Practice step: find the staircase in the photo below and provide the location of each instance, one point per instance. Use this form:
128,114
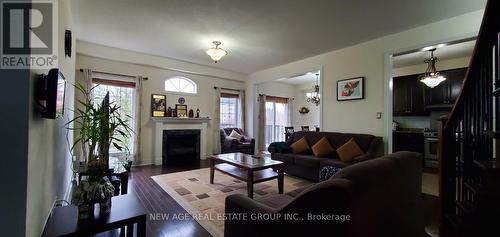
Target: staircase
469,142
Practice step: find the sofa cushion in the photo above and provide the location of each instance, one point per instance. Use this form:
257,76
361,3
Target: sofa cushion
297,191
236,135
322,148
308,160
300,146
276,200
349,151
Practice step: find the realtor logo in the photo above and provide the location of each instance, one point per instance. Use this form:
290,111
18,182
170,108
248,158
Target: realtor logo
29,38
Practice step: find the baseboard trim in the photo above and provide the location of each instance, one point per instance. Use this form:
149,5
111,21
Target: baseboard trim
142,164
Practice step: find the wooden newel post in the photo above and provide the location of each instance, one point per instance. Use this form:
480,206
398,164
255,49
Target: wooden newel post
442,172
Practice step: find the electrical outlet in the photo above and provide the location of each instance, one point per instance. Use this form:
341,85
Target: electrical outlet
379,115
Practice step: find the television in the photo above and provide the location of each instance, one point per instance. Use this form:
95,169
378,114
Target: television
52,94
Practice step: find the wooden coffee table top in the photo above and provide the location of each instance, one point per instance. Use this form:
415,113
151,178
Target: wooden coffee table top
246,161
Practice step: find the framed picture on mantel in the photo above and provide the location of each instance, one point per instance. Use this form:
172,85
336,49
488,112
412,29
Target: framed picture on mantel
351,89
158,105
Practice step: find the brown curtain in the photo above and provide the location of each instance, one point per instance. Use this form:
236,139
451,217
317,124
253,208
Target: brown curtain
127,84
277,99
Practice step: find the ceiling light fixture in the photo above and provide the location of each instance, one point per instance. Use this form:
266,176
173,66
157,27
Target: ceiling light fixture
216,53
314,97
431,77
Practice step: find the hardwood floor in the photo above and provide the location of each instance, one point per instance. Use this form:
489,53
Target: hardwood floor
155,200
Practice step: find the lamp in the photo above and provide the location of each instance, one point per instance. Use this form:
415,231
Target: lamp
216,53
431,77
314,97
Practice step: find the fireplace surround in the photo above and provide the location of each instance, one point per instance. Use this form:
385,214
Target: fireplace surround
167,123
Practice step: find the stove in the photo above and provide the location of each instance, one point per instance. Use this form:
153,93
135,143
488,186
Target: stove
430,148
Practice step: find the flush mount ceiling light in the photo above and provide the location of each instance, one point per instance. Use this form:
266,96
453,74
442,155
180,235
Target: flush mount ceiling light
431,77
216,53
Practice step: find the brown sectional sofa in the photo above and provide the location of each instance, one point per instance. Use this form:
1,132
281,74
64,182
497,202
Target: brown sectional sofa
381,196
306,165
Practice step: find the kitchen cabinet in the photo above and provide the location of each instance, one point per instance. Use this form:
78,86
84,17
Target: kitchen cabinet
444,95
408,96
408,141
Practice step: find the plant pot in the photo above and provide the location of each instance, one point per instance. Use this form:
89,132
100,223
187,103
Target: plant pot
85,211
128,166
105,206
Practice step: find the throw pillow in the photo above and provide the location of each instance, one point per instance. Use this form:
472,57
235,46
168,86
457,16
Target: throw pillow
322,148
300,146
349,150
236,135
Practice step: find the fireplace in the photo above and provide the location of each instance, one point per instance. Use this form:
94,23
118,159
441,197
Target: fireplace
181,146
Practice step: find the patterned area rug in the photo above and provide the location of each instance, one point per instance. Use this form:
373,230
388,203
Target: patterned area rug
205,201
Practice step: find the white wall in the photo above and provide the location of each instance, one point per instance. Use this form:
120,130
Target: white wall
369,60
204,100
49,158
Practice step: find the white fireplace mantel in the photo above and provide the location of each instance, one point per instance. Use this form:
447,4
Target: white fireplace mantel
177,124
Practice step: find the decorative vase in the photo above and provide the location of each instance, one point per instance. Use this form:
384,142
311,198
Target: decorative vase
85,210
191,113
102,193
197,113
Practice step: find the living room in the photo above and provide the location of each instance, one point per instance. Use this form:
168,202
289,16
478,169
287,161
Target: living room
232,118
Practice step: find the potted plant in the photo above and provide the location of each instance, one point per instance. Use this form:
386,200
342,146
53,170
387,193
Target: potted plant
97,127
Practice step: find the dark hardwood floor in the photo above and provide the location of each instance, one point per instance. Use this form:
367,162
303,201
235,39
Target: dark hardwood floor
155,200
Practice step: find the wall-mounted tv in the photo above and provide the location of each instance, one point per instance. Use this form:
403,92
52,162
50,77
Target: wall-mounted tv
52,94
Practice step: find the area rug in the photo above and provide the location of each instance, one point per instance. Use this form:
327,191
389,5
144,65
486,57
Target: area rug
205,201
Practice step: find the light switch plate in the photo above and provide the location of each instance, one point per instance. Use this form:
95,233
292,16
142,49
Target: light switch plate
379,115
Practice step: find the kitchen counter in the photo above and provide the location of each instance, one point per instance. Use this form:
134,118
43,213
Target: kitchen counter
409,130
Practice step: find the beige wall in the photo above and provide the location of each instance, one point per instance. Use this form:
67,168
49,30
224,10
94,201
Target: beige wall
49,158
369,60
204,100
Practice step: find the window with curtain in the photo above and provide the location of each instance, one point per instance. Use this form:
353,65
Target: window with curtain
229,107
122,93
277,117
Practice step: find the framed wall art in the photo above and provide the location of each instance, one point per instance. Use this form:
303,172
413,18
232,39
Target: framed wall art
158,105
351,89
181,110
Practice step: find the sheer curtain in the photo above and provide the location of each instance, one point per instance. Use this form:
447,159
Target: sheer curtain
289,108
262,123
137,118
216,122
241,110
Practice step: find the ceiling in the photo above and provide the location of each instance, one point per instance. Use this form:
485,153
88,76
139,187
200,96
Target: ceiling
258,34
307,78
445,52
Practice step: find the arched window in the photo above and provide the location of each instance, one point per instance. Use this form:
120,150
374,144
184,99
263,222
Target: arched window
181,85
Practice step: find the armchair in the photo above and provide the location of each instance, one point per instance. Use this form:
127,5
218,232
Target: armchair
229,144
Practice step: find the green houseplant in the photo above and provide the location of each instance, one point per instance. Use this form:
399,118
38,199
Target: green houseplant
97,127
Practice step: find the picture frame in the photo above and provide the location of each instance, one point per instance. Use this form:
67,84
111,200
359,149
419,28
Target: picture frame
351,89
158,105
181,111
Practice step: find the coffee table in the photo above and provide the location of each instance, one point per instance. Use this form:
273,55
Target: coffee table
246,168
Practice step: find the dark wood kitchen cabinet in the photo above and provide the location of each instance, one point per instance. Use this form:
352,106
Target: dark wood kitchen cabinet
444,95
408,141
408,96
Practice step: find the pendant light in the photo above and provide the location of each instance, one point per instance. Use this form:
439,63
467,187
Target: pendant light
431,77
314,97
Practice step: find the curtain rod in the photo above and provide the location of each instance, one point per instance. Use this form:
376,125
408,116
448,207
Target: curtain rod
229,89
277,96
116,74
